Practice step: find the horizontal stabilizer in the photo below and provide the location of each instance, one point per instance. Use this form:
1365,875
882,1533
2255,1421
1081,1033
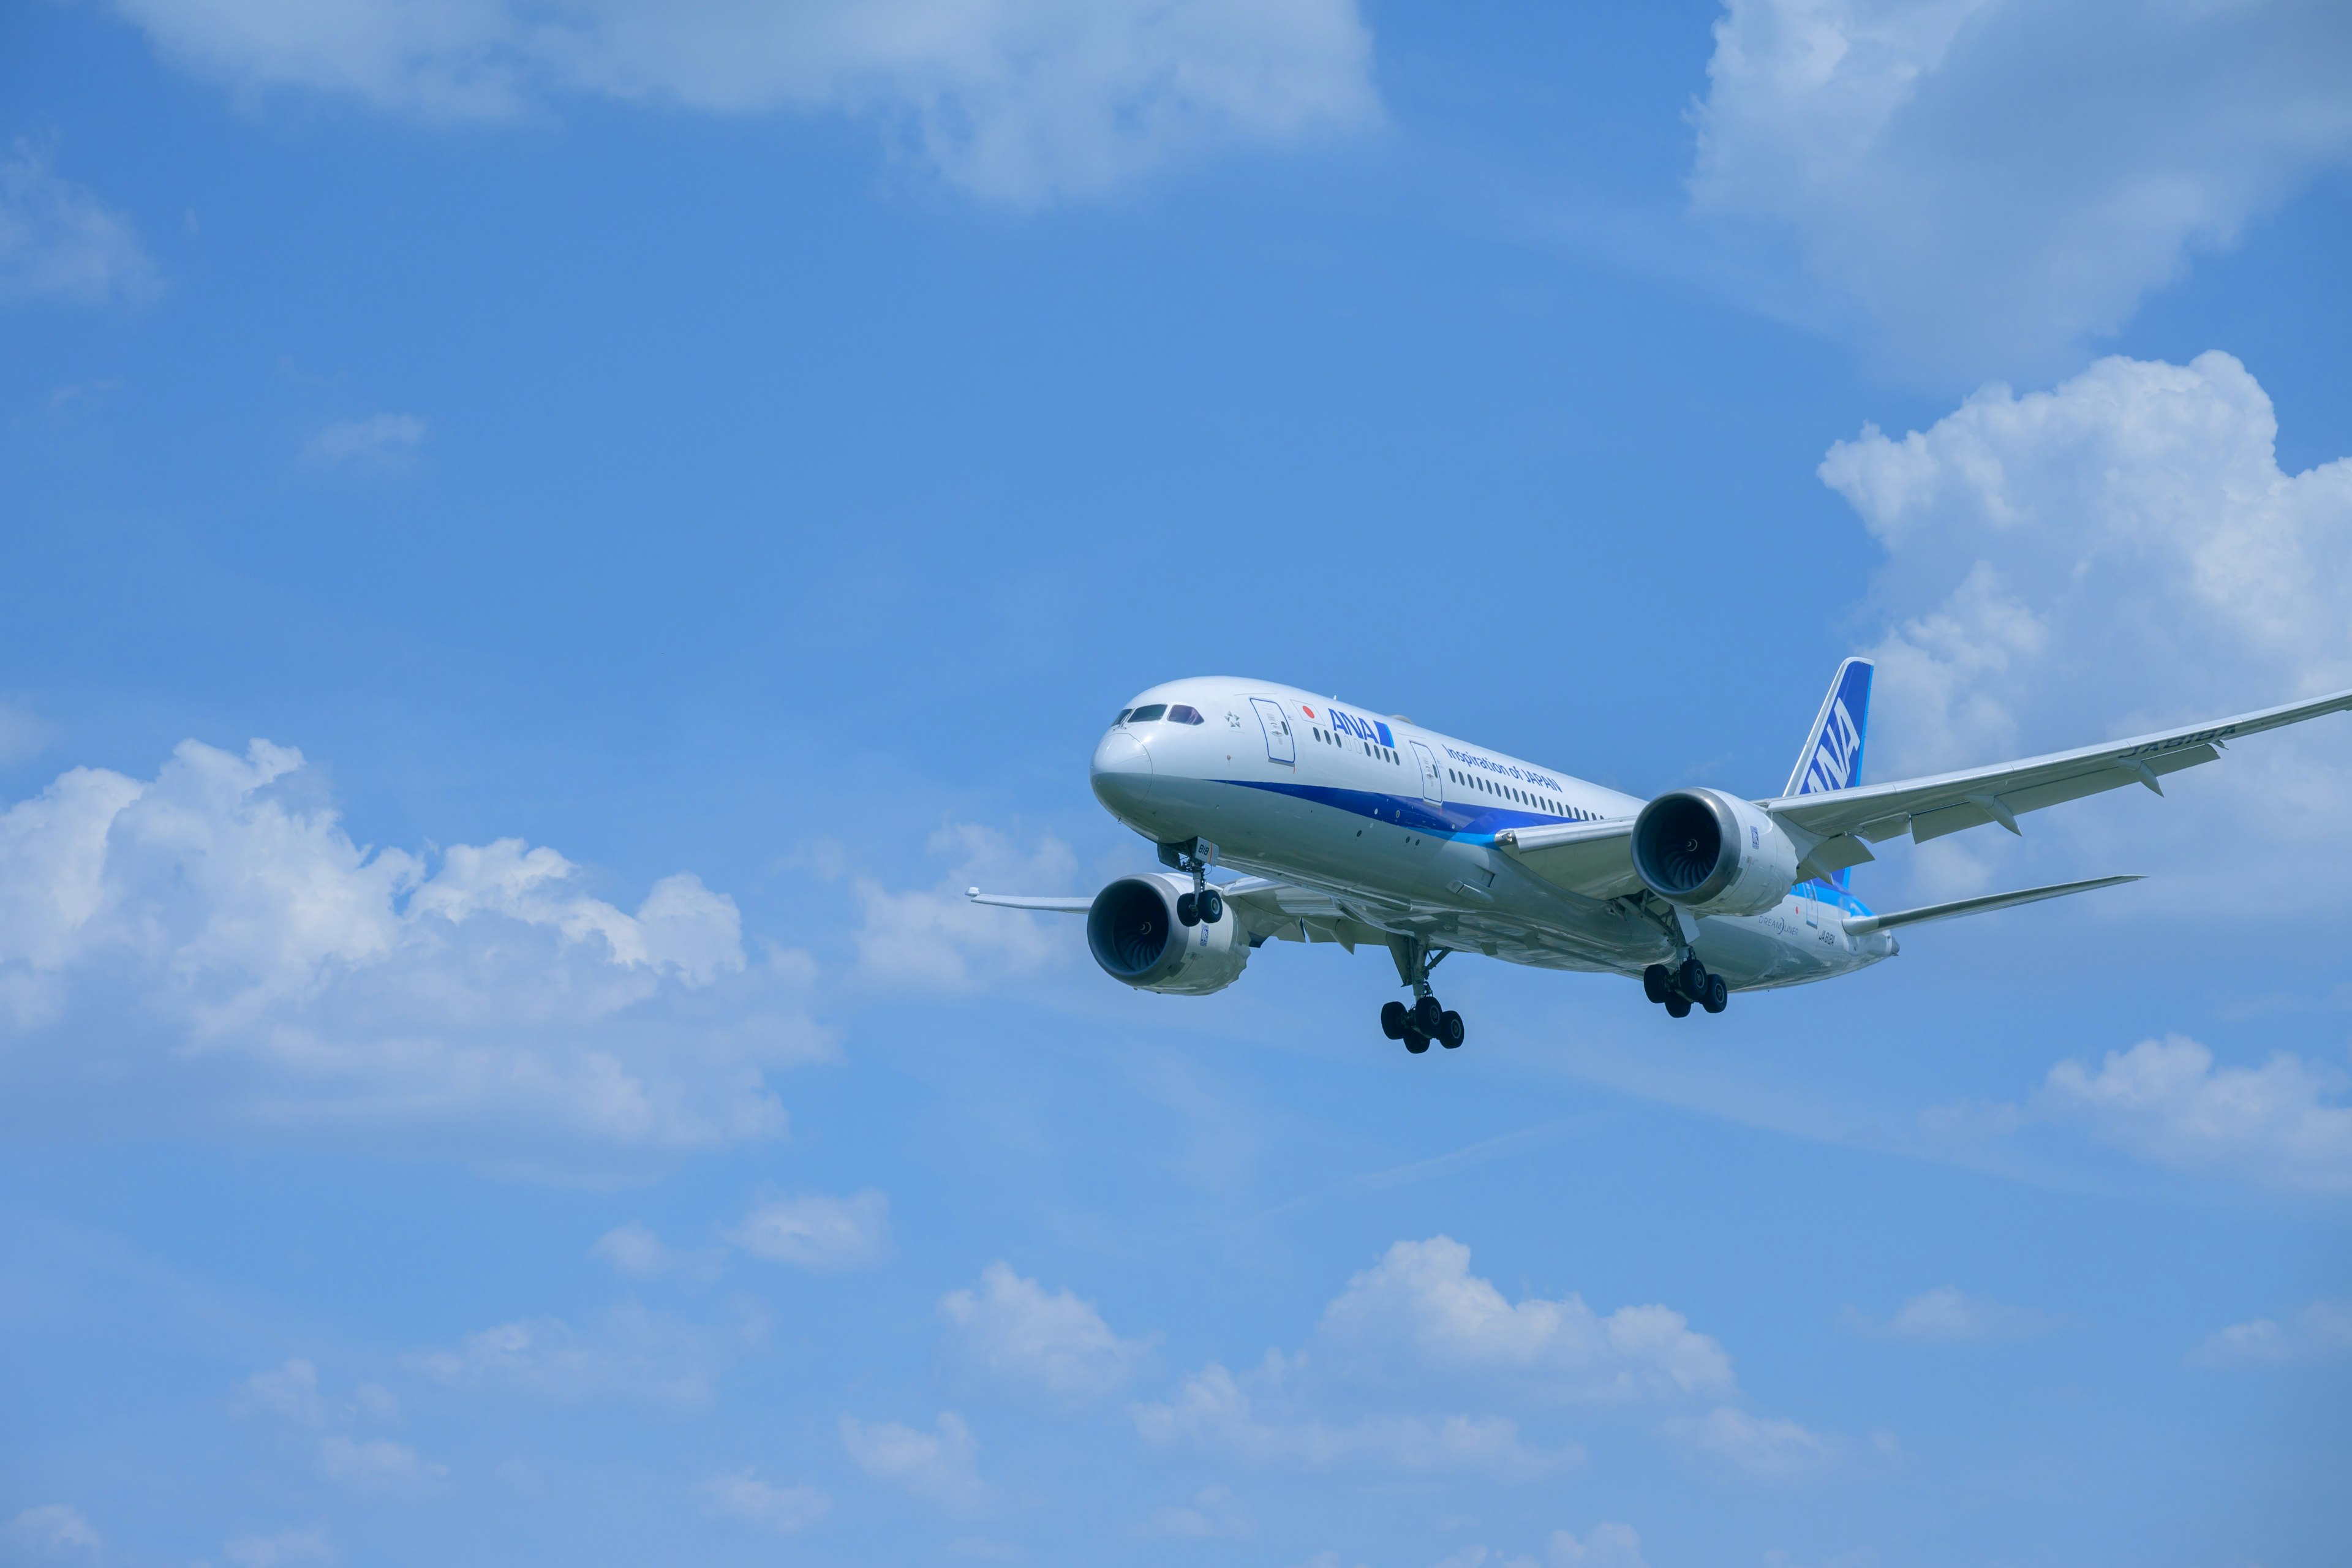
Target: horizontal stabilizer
1022,901
1863,925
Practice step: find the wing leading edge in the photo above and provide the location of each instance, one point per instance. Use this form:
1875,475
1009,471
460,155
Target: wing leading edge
1948,803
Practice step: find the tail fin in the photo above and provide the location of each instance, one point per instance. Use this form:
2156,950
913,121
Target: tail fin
1832,759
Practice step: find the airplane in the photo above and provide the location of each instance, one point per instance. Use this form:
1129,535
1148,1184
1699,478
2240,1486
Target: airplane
1355,829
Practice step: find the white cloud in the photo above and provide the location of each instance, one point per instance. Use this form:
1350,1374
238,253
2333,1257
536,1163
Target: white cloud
1420,1310
291,1391
1606,1545
60,242
2166,1101
2118,554
1761,1446
286,1548
632,1353
51,1529
1214,1514
1945,1315
940,1466
1056,1343
379,444
22,734
634,1248
1019,101
378,1467
1214,1410
212,947
2321,1329
1992,181
939,940
742,1495
817,1232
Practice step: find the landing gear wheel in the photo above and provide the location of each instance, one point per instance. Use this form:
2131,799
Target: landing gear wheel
1188,912
1718,995
1428,1017
1415,1041
1449,1030
1393,1020
1693,978
1210,905
1678,1007
1658,984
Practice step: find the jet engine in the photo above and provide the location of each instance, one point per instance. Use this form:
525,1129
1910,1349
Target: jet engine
1134,934
1713,854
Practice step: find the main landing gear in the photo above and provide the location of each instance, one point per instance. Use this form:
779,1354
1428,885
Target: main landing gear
1427,1020
1204,905
1683,984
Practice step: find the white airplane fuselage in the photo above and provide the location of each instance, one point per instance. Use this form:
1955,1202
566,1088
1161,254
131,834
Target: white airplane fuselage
1397,826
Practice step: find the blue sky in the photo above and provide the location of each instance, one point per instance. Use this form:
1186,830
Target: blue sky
545,544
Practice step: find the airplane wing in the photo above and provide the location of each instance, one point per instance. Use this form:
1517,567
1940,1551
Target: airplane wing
1027,901
1595,858
1863,925
1948,803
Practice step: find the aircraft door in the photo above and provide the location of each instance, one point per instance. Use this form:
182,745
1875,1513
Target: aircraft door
1279,747
1431,782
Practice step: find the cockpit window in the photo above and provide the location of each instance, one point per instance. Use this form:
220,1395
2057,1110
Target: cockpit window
1122,717
1181,714
1148,713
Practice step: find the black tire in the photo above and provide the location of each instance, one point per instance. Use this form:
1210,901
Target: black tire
1656,983
1428,1016
1449,1031
1718,995
1187,912
1678,1007
1393,1020
1415,1041
1212,905
1692,979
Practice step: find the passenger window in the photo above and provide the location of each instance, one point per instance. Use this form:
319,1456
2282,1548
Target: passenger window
1149,712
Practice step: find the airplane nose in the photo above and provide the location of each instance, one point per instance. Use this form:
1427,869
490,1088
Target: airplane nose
1121,773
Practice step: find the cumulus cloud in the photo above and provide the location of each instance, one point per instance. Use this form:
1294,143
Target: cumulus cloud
632,1353
289,1391
1214,1514
940,1467
818,1232
1260,1419
633,1248
60,242
1606,1545
2322,1329
1421,1309
1054,1342
2117,554
1992,181
742,1495
213,948
286,1548
939,940
2282,1124
1019,103
378,1467
379,444
51,1531
1945,1315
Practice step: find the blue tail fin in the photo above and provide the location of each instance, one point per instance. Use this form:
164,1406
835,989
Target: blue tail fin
1832,759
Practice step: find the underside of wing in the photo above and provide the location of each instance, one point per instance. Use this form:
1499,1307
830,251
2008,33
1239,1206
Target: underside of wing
1948,803
1863,925
1594,858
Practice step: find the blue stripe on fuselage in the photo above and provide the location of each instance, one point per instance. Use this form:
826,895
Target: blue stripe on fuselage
1456,819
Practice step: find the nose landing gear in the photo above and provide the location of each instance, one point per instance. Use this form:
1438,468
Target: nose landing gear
1204,905
1427,1020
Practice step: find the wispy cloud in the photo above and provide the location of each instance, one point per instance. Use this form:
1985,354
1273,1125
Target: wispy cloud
380,444
742,1495
60,242
1945,1315
940,1467
2321,1329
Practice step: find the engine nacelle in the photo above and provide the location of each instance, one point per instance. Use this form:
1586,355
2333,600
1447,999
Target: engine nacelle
1713,854
1134,934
